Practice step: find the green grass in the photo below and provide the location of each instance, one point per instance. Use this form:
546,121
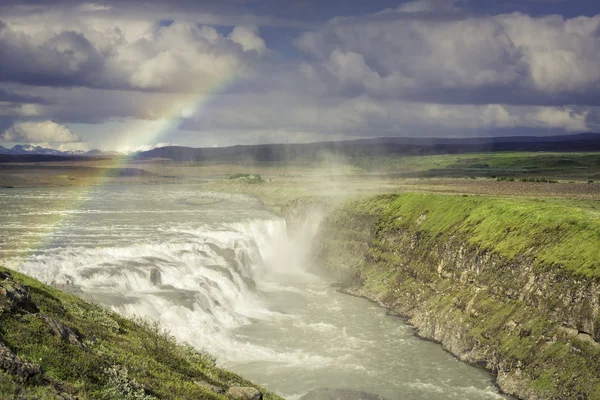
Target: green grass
248,178
577,165
119,358
558,234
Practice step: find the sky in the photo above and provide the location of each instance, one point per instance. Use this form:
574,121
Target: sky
129,75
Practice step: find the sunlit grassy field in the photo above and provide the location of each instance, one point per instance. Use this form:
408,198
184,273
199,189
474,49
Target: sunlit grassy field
545,175
563,233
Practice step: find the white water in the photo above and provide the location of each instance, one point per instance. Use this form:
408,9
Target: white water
230,283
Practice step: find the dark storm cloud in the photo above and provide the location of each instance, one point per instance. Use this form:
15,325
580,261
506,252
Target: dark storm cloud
66,59
12,97
517,96
6,122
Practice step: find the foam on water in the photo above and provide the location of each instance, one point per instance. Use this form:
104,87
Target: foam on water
221,274
205,279
194,272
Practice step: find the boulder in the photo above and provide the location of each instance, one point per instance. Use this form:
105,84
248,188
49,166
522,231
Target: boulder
210,387
244,393
155,277
61,330
339,394
13,365
14,296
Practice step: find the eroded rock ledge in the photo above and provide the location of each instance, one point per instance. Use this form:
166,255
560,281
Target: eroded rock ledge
533,324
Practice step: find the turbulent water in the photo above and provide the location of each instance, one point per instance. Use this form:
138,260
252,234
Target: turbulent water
220,273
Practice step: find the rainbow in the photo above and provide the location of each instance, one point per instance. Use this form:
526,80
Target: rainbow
144,132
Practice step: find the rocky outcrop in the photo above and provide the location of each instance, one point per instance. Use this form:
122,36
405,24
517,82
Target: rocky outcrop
244,393
534,326
210,386
13,365
61,330
14,297
156,277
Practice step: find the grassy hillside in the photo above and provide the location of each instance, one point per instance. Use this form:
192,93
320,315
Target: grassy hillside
562,234
54,345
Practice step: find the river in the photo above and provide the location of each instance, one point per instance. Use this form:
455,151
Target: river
219,271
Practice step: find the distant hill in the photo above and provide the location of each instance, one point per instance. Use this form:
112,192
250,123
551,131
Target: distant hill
386,146
374,147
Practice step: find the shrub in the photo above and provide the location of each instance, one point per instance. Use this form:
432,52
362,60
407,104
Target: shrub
97,315
121,387
249,178
156,340
193,356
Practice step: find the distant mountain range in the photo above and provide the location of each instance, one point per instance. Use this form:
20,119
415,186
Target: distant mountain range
387,146
27,149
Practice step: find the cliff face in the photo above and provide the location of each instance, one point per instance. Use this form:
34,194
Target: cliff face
529,316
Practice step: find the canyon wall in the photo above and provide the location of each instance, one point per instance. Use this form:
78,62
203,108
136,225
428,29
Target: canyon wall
510,285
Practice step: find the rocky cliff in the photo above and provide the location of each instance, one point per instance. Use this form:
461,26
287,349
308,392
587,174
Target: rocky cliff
511,285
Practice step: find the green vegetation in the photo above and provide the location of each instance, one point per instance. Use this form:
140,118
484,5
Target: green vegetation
78,349
509,284
248,178
559,234
536,180
500,164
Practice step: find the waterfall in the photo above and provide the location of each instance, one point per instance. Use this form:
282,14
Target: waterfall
199,283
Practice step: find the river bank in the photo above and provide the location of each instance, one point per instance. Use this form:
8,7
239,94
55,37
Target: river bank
507,283
511,285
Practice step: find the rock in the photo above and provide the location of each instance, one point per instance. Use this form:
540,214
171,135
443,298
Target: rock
210,387
155,277
227,254
14,296
244,393
339,394
61,330
13,365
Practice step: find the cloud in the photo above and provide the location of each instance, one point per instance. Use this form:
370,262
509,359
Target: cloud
93,7
15,97
123,79
206,12
427,51
562,55
81,146
366,116
91,51
46,131
145,147
248,38
429,5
